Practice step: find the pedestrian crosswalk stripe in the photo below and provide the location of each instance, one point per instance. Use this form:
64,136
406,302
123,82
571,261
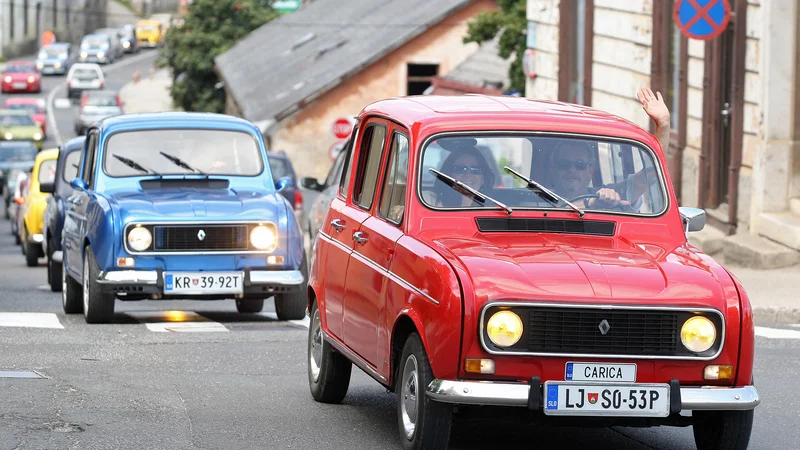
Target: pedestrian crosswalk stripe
176,321
302,323
777,333
29,320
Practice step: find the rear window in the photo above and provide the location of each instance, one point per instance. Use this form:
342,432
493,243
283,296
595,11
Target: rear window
279,168
86,74
101,100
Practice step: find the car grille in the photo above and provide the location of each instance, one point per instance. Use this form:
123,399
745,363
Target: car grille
187,238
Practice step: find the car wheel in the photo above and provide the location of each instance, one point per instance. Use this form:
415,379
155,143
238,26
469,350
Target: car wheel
31,254
98,306
249,305
717,430
71,294
292,306
328,370
54,270
424,423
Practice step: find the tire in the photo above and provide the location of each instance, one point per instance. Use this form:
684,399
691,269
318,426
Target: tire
249,305
71,294
98,306
722,430
31,254
423,423
292,306
328,370
54,269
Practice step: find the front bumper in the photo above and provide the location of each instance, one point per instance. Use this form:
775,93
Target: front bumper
263,283
51,69
487,393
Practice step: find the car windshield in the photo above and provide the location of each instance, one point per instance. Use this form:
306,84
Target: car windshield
182,151
47,171
71,165
16,120
147,28
94,42
86,74
18,152
20,68
279,168
29,107
101,100
54,52
575,169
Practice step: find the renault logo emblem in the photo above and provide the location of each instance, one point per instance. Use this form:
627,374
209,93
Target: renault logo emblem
202,235
604,327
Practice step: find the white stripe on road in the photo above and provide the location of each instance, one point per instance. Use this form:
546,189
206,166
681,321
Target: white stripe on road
176,322
29,320
777,333
303,323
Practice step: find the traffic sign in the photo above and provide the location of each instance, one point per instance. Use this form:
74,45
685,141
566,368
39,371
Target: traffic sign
342,127
48,37
702,19
285,6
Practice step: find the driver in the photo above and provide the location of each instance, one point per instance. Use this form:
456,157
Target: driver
572,164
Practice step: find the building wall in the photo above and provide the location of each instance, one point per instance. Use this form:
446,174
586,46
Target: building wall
543,16
307,137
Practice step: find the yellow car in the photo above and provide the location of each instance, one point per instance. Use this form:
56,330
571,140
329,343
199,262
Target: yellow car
149,33
30,231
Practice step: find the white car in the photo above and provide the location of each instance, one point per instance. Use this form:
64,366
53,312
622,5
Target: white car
84,77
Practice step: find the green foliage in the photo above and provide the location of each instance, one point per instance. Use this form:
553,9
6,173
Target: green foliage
511,24
210,28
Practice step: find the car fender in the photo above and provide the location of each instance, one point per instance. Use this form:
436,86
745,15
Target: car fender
102,231
744,367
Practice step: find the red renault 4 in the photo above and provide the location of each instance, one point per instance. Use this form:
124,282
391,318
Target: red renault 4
525,254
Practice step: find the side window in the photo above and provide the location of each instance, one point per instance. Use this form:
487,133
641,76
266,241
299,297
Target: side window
71,166
369,159
89,164
394,185
47,171
336,169
344,181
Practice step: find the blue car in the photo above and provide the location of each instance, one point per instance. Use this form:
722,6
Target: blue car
55,59
69,158
179,206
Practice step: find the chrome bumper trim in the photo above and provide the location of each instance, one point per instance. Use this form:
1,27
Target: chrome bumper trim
490,393
57,256
282,277
128,277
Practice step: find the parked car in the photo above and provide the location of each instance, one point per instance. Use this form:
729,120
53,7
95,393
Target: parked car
84,77
15,212
14,155
281,166
97,48
327,191
129,42
469,294
55,58
66,170
20,76
179,205
115,42
148,33
34,106
30,232
16,125
96,105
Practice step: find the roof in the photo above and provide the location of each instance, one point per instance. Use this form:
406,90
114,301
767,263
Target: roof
18,62
297,57
73,144
50,153
169,119
482,68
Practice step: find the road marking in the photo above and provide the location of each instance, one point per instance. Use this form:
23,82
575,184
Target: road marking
176,322
20,374
777,333
29,320
302,323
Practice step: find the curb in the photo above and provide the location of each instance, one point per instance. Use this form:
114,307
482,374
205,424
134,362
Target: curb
776,316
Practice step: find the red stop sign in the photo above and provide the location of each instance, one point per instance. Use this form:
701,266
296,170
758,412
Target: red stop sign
342,128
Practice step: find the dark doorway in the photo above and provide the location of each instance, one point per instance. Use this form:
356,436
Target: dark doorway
419,77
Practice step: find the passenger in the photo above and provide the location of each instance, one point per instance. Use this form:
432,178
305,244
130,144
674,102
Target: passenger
467,165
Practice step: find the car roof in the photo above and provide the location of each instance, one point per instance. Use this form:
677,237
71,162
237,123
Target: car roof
22,101
50,153
106,92
73,144
171,119
57,44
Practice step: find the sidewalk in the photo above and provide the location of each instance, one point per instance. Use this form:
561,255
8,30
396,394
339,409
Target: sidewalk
773,293
148,95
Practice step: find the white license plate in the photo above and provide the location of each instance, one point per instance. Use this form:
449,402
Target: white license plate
203,283
606,399
19,85
576,371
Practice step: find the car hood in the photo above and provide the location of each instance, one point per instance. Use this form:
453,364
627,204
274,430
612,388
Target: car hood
19,76
584,269
23,132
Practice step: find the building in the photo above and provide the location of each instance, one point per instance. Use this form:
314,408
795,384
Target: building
734,99
483,72
296,75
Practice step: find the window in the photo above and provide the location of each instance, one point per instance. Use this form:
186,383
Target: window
88,168
394,186
71,166
344,181
575,51
336,170
47,171
369,165
419,77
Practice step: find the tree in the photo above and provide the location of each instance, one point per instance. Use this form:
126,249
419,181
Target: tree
209,29
511,24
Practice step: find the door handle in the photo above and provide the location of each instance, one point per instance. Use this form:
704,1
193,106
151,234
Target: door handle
337,224
360,237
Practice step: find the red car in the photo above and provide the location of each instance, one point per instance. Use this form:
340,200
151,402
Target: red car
563,287
35,106
21,76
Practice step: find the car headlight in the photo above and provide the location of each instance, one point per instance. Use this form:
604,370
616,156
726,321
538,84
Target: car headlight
101,55
37,136
264,238
9,136
39,65
31,79
84,55
7,79
126,44
139,239
57,65
698,334
504,328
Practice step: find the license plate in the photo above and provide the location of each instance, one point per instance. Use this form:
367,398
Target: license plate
576,371
604,399
202,283
19,85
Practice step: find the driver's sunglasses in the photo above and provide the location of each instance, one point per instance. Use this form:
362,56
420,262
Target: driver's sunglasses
565,164
461,170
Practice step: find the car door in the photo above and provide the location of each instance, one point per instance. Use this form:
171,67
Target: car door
75,222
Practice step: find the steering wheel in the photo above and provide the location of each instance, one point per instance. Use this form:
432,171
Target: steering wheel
626,208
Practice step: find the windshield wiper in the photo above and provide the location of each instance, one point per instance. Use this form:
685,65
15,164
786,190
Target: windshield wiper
543,192
134,165
452,182
182,164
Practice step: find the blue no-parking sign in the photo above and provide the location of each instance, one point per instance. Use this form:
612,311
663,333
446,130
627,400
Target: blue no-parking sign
702,19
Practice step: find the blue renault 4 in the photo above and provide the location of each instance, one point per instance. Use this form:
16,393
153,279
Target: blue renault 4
179,206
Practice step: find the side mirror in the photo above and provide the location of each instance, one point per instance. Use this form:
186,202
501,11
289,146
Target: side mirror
311,183
694,219
283,183
78,184
47,188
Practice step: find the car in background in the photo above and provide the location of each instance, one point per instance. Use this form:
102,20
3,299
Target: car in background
14,155
115,42
132,230
16,125
34,106
66,170
281,166
148,33
20,76
97,48
84,77
18,198
95,106
55,58
128,38
30,232
327,191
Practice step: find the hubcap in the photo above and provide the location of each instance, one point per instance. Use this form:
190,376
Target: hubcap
315,347
408,403
85,286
